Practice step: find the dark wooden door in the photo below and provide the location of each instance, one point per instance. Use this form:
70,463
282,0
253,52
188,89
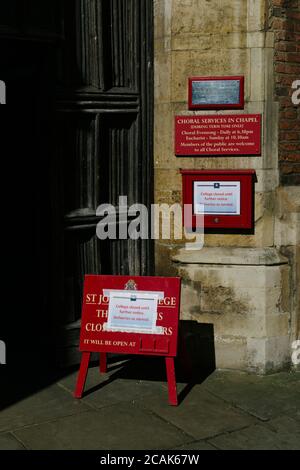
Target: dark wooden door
79,78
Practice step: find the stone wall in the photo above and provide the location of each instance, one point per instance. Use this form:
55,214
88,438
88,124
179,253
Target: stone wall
245,295
244,285
284,21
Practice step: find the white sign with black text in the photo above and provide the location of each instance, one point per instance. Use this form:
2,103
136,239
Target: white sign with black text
133,311
217,197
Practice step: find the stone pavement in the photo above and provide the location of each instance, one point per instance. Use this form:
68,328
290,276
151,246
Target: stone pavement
226,410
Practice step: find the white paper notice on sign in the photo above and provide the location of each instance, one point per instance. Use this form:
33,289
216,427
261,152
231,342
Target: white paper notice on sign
133,311
217,197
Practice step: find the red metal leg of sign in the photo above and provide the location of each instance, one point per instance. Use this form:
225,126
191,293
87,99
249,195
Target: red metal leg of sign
103,363
84,365
173,400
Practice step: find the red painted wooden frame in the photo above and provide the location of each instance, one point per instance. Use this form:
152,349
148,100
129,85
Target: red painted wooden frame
247,178
239,105
93,338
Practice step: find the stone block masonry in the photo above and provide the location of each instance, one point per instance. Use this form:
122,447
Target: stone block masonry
244,286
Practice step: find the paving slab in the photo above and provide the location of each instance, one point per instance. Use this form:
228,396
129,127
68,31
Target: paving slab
199,445
120,390
261,437
284,379
264,397
295,414
289,431
93,379
50,403
9,442
108,389
120,426
229,410
200,414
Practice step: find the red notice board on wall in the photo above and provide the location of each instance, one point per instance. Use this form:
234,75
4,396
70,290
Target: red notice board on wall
217,135
224,197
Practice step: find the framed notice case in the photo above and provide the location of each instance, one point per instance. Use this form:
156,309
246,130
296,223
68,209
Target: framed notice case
217,135
225,198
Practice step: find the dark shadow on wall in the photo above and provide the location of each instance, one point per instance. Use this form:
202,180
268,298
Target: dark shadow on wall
199,340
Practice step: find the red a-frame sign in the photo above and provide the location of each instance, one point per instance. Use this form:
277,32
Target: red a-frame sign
136,338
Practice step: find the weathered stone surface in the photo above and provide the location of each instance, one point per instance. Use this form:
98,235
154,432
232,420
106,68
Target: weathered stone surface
270,116
256,39
211,41
9,442
265,397
195,63
221,295
231,256
167,197
212,418
288,199
193,16
287,224
163,264
47,404
162,90
223,410
267,180
259,437
270,39
167,179
163,136
247,303
109,389
239,325
256,11
287,229
266,355
257,57
114,427
231,352
257,301
198,445
162,18
288,429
